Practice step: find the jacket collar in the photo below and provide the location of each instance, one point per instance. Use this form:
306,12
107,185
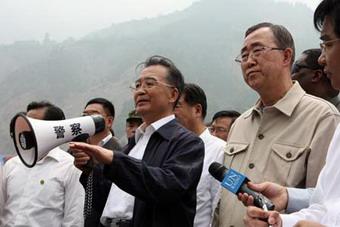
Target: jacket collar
166,131
285,105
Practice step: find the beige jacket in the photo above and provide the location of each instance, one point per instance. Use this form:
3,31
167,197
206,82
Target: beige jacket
285,143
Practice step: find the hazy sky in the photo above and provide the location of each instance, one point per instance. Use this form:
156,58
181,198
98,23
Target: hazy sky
32,19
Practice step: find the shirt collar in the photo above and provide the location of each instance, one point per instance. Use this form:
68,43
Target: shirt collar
285,105
205,134
54,154
140,131
105,140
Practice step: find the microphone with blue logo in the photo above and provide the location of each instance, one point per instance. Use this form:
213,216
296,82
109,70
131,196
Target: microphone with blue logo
236,182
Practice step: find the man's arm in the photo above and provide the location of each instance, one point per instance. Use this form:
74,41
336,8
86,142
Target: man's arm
180,170
327,189
298,198
319,147
74,199
314,212
168,183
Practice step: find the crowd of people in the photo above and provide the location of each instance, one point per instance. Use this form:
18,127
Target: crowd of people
287,144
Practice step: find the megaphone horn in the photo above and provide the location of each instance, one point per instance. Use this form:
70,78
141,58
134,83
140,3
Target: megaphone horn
33,138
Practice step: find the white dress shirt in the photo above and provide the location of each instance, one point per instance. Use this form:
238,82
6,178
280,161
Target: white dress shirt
331,216
325,201
208,187
119,204
49,194
298,199
105,140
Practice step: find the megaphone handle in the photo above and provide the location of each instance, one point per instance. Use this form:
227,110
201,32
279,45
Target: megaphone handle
89,166
90,163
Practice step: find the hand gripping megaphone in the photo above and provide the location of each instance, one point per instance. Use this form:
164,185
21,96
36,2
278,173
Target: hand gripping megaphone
33,138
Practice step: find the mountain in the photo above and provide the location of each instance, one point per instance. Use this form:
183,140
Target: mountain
202,40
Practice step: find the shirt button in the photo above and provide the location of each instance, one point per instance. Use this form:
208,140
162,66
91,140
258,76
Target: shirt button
289,155
251,165
231,150
260,136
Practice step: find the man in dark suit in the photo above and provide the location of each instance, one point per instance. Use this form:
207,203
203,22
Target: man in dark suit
97,187
160,174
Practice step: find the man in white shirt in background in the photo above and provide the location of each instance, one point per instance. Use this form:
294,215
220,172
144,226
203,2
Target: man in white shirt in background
96,186
49,194
222,122
191,111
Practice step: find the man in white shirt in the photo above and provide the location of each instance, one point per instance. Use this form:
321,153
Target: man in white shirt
97,187
222,122
49,194
190,112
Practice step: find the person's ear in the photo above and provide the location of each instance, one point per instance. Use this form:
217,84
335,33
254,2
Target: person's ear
317,76
109,120
174,95
198,110
287,56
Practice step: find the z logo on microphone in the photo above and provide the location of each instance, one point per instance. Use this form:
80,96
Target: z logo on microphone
233,180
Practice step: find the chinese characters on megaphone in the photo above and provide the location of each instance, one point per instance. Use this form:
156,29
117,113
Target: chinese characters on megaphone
33,138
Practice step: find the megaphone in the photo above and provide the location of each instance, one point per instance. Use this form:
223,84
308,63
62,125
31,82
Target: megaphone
33,138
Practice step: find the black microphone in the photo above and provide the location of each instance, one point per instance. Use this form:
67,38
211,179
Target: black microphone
236,183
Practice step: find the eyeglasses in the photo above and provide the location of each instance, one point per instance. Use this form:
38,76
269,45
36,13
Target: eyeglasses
91,113
297,67
148,83
217,129
327,44
254,53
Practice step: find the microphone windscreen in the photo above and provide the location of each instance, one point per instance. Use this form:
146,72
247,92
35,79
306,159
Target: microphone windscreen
217,170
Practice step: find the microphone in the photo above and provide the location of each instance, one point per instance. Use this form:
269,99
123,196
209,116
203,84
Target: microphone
236,182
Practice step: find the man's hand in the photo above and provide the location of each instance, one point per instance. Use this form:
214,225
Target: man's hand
255,218
81,159
83,152
308,224
276,193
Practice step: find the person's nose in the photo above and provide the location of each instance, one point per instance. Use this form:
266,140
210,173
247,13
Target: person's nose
322,59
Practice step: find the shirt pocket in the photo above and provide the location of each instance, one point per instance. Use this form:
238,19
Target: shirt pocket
233,151
50,192
286,165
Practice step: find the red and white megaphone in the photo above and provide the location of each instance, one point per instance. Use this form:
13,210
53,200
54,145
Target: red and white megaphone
33,138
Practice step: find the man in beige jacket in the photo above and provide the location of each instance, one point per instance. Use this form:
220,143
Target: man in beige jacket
285,136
